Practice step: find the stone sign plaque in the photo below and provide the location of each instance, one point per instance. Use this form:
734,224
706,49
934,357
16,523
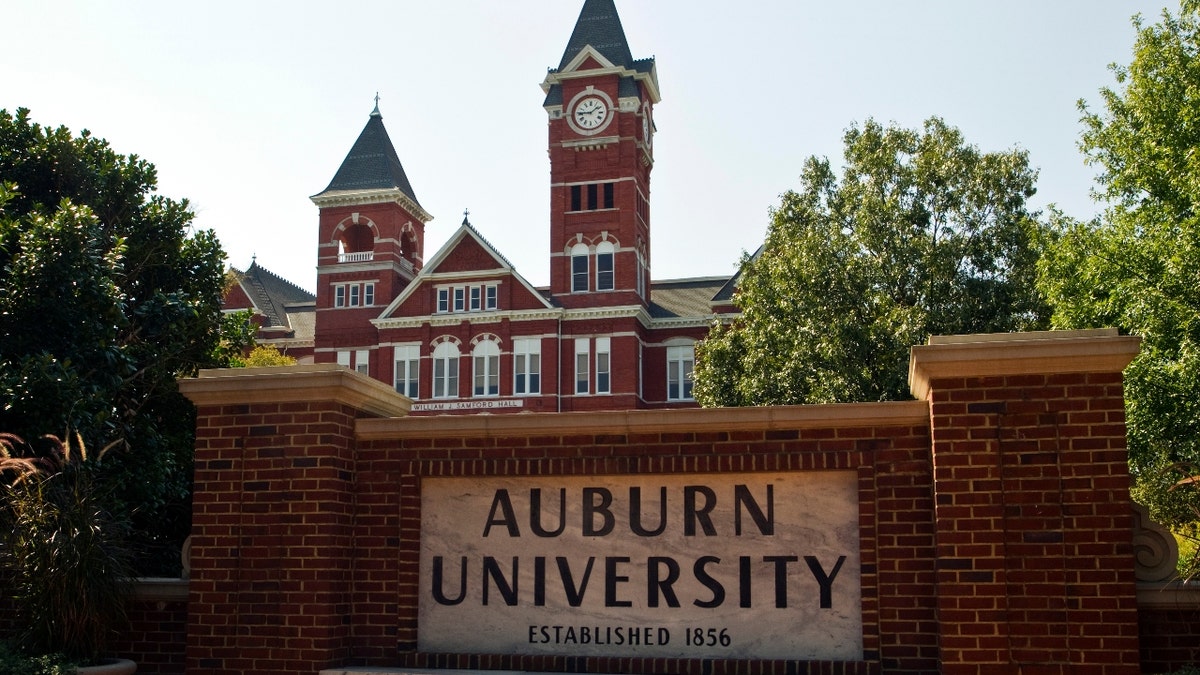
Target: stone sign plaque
739,566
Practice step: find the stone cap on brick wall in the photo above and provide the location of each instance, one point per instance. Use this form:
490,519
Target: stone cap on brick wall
688,420
310,383
1100,350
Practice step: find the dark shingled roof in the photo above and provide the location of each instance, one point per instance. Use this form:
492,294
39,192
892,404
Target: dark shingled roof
272,293
684,298
372,163
600,27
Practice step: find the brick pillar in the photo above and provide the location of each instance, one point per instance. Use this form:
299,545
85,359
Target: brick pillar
1033,515
272,516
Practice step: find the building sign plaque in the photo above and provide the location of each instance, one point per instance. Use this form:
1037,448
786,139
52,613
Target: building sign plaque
748,565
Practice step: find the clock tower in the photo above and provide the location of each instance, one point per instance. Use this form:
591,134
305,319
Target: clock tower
600,102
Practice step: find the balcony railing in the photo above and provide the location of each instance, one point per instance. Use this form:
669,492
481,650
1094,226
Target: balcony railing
361,256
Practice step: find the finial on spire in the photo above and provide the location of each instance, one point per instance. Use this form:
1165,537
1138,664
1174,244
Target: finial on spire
466,216
376,110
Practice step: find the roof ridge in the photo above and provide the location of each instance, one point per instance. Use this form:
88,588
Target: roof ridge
290,284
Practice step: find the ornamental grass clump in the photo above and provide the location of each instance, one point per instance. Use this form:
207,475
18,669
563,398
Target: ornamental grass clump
63,549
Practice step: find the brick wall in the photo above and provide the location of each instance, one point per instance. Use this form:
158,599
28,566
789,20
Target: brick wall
994,516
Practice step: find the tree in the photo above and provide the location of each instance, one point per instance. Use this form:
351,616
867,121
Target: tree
922,234
106,297
1137,266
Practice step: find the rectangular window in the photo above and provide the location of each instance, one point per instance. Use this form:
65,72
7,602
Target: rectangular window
362,361
680,363
339,296
487,374
476,298
581,366
443,300
355,289
605,280
343,358
603,366
460,299
592,190
579,273
408,368
445,377
492,297
576,197
608,195
527,366
369,294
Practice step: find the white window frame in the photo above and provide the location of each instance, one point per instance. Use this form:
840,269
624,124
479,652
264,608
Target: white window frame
582,357
460,299
681,364
445,370
362,361
527,366
476,298
355,294
369,294
339,295
603,365
443,301
343,358
580,267
491,297
408,370
606,279
485,369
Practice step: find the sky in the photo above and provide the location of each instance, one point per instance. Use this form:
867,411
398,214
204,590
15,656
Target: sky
248,108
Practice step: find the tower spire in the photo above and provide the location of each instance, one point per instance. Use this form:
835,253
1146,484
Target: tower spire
599,26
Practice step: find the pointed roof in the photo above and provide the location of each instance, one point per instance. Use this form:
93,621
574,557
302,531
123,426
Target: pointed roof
598,34
372,163
600,27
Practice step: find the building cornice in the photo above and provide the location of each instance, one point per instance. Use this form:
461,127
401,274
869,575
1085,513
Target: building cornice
364,197
454,319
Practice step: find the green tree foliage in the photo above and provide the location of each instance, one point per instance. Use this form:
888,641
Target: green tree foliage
921,234
1138,265
264,356
106,297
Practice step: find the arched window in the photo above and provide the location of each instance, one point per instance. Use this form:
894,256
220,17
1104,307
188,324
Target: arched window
487,368
445,370
579,268
605,277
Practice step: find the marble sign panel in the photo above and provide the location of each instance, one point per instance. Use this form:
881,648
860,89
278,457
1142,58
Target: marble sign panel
741,566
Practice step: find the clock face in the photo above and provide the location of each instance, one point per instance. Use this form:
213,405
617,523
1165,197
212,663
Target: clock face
590,113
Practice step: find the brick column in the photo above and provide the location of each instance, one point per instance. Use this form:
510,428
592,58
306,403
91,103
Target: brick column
1033,514
272,540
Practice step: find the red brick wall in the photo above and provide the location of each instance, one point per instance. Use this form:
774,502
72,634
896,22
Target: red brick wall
1033,524
995,527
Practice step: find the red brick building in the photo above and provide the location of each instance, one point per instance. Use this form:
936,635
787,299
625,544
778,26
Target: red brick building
462,331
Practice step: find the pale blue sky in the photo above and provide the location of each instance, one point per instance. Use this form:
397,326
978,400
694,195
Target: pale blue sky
247,108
